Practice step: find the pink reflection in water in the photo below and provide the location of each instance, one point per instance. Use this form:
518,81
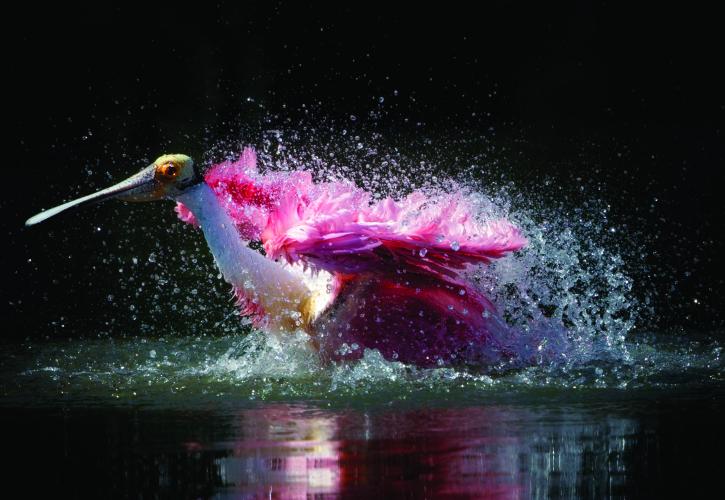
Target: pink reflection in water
293,452
286,452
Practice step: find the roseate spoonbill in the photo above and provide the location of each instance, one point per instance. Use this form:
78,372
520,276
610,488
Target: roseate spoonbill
351,272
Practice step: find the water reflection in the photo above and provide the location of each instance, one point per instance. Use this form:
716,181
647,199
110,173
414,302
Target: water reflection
501,452
283,452
601,448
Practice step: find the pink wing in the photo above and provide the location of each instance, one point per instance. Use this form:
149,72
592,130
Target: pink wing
334,225
438,237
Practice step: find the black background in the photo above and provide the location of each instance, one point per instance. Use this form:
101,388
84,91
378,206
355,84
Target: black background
635,93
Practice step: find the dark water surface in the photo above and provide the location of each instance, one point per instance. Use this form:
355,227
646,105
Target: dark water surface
608,446
88,421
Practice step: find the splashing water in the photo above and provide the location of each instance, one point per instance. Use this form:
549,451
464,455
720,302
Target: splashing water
567,299
183,372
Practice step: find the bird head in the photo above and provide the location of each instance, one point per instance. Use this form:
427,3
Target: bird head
166,178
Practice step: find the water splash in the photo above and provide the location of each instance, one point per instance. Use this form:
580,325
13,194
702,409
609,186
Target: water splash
566,298
196,372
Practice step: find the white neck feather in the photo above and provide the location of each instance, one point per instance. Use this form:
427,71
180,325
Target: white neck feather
281,294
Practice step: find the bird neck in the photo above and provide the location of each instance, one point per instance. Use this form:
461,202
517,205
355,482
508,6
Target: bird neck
261,283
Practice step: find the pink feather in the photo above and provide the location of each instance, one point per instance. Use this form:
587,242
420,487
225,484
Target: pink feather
335,226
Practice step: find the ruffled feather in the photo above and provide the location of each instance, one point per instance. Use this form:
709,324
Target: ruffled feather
336,227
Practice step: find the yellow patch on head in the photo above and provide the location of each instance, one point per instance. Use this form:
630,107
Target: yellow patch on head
174,167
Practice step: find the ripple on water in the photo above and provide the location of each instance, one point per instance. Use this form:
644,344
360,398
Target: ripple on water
233,370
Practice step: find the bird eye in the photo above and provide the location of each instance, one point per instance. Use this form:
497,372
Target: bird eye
169,170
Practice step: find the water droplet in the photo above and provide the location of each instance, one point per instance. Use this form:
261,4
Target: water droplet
455,246
423,252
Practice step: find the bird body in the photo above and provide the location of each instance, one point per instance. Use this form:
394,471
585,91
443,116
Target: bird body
394,267
352,272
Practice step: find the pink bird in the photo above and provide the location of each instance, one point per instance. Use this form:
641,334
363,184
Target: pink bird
354,274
